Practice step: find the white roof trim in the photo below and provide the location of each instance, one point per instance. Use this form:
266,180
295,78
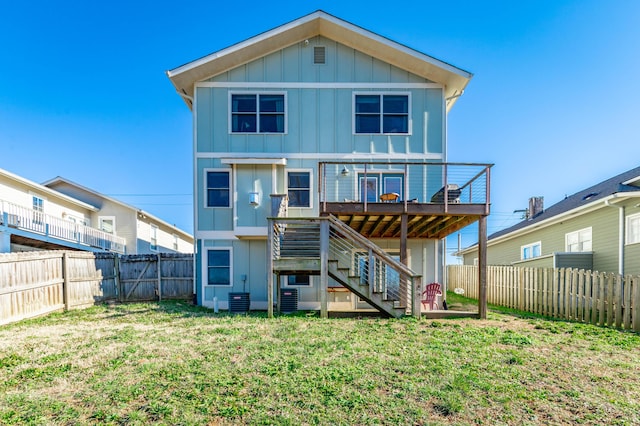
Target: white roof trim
276,161
52,192
320,23
113,200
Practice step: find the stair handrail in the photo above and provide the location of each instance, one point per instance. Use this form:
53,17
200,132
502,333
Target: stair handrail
337,223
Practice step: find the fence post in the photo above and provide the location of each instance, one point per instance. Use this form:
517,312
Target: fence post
159,280
116,273
635,309
65,280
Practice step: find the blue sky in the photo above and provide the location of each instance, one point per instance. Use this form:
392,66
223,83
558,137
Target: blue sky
553,102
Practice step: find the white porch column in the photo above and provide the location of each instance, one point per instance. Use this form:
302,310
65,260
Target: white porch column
5,241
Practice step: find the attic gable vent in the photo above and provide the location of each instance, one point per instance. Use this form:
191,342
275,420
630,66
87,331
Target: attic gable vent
319,55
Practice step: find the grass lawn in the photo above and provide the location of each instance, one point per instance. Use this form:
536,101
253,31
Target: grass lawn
172,363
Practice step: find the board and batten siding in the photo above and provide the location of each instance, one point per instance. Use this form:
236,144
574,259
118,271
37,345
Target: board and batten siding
319,120
249,257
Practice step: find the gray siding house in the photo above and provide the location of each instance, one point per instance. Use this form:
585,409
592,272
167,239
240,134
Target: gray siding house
319,119
597,228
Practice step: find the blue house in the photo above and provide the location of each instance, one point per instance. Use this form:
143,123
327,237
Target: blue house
320,169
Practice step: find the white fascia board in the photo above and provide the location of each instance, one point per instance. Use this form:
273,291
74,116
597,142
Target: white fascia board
49,191
243,44
397,46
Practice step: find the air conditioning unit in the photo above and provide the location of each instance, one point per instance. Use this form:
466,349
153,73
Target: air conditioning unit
239,303
288,300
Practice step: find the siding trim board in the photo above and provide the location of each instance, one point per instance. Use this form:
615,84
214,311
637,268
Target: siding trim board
315,85
232,157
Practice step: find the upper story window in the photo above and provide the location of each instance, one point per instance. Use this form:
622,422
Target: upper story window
258,113
38,209
175,242
299,188
153,240
107,224
633,229
531,250
218,188
578,241
381,113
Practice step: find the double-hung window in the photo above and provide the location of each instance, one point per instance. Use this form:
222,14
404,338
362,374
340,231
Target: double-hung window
38,210
578,241
258,113
219,267
299,188
633,229
154,238
530,251
218,188
381,113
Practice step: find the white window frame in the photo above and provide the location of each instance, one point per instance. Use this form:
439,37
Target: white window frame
206,188
310,171
531,246
632,239
258,93
205,266
102,219
153,236
579,233
176,242
286,282
381,94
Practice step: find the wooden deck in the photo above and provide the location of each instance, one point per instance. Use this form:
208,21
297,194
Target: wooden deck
424,220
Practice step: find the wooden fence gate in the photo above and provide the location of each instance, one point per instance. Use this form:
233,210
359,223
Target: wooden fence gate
37,283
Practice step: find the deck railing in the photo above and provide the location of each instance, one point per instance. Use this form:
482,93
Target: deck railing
364,261
404,182
27,219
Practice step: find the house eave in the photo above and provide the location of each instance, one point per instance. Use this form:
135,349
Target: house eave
118,202
320,23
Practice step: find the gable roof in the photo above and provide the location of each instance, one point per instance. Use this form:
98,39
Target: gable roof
46,190
59,179
320,23
593,196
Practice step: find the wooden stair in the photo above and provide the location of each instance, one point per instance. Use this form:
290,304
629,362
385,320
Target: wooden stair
297,250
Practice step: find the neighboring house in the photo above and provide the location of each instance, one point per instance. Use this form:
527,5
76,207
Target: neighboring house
62,215
321,118
597,228
35,217
142,231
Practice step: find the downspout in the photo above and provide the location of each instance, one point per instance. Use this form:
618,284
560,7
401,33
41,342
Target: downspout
620,235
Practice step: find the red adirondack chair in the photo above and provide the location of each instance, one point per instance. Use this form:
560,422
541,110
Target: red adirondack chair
430,296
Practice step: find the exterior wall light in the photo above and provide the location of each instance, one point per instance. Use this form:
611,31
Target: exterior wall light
254,199
345,171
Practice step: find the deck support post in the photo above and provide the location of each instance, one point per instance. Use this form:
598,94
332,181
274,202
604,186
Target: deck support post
416,299
270,271
404,226
324,267
482,267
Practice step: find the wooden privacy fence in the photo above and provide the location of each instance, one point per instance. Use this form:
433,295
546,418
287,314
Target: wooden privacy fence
37,283
578,295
